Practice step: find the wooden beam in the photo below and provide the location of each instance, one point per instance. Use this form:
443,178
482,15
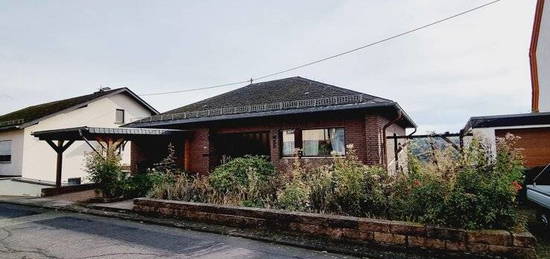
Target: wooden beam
53,145
451,143
63,148
430,136
59,149
186,154
59,166
396,152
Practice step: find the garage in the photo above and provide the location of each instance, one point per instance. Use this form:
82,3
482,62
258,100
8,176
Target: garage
534,144
533,129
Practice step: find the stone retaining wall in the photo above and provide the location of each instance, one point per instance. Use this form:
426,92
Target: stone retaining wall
345,228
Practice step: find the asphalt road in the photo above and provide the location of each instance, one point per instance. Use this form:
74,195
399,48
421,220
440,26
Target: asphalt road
27,232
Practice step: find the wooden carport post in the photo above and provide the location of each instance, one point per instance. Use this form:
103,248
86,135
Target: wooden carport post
59,149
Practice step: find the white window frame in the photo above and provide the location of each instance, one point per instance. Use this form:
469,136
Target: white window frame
123,116
10,150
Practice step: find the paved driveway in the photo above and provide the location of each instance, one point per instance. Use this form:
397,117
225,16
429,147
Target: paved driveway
33,233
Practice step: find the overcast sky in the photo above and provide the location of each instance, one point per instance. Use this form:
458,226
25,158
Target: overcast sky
474,65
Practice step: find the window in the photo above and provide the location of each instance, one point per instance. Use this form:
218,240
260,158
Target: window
119,116
288,143
5,151
314,142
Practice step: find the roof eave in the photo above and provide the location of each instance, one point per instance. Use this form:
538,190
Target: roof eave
11,127
273,113
143,102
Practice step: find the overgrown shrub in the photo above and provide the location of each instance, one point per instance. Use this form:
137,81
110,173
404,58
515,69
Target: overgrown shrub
184,188
139,184
105,170
232,175
296,188
345,187
246,180
473,189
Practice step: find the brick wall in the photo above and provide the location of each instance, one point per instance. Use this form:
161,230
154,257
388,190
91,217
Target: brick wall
398,234
361,129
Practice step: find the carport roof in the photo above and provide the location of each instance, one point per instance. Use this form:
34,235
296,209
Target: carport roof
80,133
521,119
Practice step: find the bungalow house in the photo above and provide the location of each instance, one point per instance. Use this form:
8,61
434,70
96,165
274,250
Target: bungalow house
275,119
23,155
533,128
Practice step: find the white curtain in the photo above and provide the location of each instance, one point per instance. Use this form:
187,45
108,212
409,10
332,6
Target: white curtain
337,141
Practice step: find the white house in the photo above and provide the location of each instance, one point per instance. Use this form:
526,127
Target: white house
23,155
533,127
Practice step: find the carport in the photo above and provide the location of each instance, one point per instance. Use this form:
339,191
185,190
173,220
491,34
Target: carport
61,139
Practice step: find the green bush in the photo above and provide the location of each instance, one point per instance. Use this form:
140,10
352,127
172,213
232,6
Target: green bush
138,185
294,197
106,171
236,174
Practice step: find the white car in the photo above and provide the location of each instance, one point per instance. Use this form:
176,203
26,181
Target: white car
540,194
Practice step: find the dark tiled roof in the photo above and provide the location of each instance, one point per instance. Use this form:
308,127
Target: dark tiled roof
283,90
36,112
279,97
521,119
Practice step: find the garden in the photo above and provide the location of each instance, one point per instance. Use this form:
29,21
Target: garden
472,189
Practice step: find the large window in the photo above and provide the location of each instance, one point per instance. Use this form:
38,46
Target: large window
314,142
5,151
119,116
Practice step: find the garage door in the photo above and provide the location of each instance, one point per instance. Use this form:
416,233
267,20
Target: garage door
534,144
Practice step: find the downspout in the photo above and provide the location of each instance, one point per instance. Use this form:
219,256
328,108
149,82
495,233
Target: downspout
384,147
397,150
412,133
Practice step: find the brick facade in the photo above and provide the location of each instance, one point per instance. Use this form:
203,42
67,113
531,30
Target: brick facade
363,130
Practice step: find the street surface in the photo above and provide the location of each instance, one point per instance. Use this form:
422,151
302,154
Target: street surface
27,232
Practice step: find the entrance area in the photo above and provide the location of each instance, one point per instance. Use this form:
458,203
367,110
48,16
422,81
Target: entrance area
233,145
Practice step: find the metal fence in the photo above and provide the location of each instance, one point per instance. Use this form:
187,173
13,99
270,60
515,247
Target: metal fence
298,104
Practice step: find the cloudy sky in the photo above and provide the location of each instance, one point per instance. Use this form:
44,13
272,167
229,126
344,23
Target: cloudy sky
473,65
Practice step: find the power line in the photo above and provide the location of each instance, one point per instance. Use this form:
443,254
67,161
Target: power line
197,89
335,55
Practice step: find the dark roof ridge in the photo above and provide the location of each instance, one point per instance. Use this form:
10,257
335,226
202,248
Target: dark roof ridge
61,100
290,88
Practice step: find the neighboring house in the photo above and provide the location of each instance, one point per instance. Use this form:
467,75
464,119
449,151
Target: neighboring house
533,128
274,119
539,54
23,155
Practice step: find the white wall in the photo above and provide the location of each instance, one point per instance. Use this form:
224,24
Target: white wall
14,187
543,59
39,160
14,167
